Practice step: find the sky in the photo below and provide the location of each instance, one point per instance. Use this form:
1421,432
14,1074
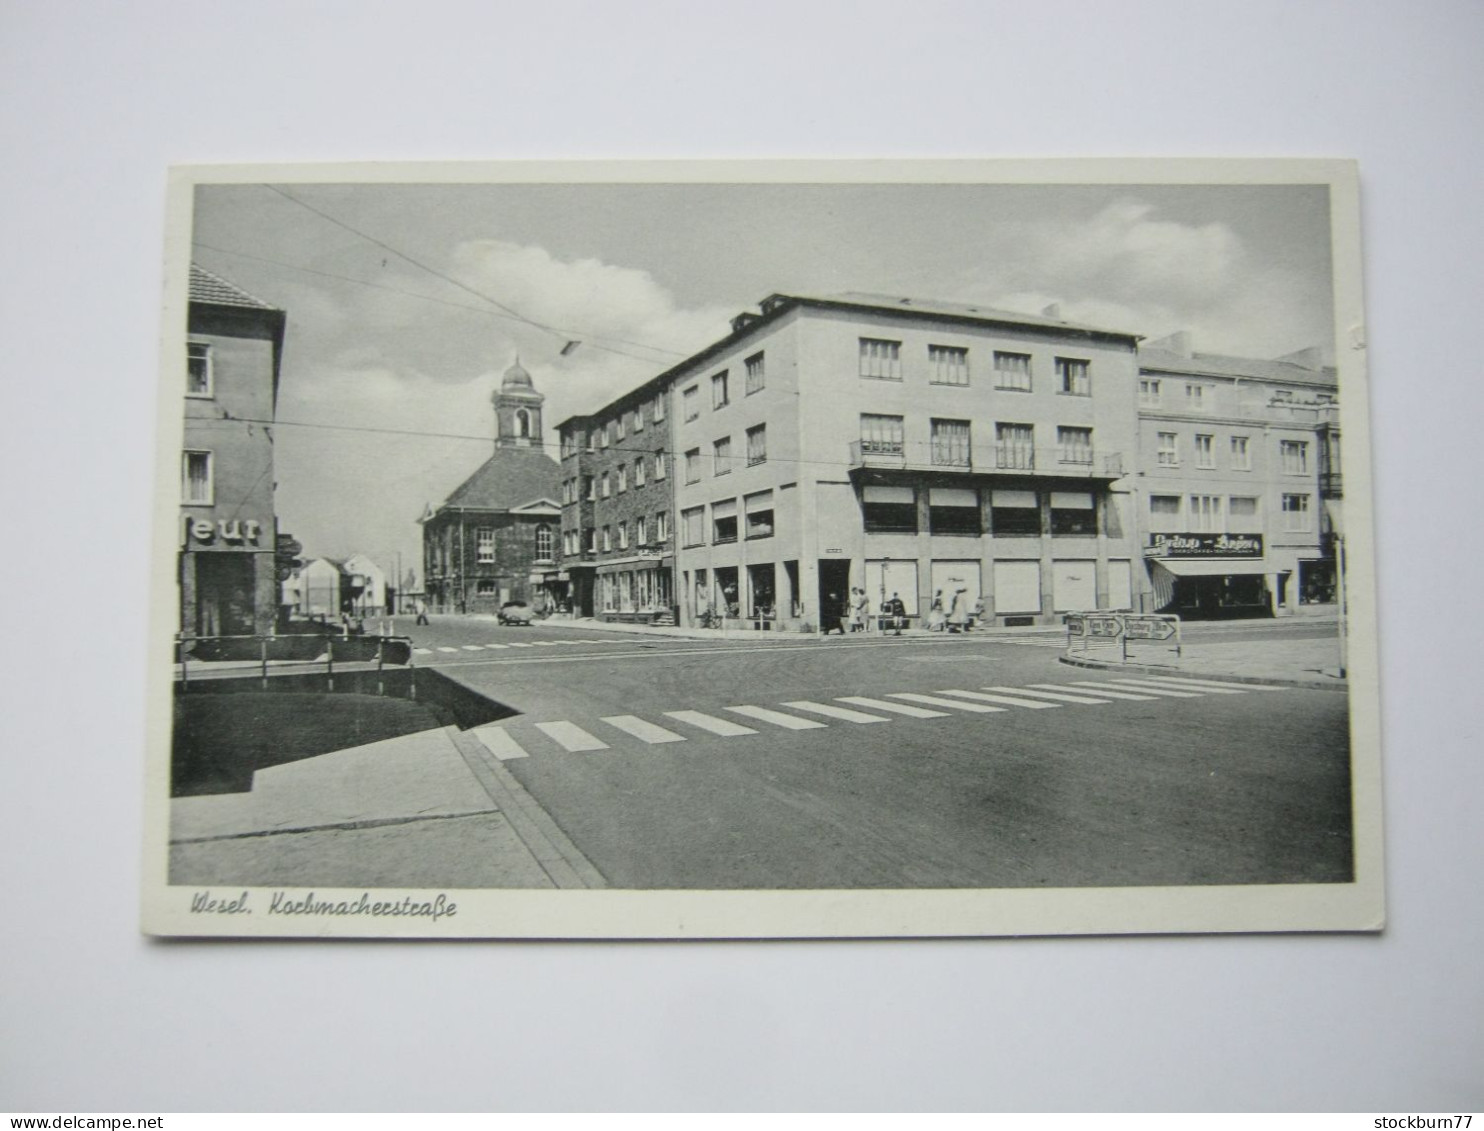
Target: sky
407,302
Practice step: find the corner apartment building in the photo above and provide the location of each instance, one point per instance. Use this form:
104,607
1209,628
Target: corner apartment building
908,448
228,529
618,549
1237,459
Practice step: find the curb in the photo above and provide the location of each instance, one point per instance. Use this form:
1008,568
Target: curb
1186,673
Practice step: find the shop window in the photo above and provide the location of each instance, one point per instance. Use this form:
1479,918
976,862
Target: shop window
889,510
196,488
1073,513
948,365
759,513
954,511
881,359
1014,514
1012,371
198,369
1073,377
724,521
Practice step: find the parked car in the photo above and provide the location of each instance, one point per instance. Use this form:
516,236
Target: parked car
516,612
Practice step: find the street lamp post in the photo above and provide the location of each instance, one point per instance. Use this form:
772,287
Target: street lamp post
1335,509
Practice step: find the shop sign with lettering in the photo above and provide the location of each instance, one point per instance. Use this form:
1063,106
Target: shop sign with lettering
230,532
1205,546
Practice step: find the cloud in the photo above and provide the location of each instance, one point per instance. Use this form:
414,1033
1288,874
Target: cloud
1127,268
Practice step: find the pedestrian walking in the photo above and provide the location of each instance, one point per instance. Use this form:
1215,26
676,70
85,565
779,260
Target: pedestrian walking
936,619
422,611
958,611
859,610
896,613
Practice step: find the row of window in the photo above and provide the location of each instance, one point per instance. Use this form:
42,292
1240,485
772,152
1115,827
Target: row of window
755,380
631,420
1198,397
960,511
1216,514
1015,443
721,454
484,544
881,360
1293,454
592,487
593,538
755,520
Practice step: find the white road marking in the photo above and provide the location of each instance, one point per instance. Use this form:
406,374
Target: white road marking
422,651
1146,687
520,645
1009,700
492,646
894,708
1209,684
829,710
642,730
499,743
1048,694
445,648
938,701
1110,690
711,723
571,737
777,718
542,643
473,647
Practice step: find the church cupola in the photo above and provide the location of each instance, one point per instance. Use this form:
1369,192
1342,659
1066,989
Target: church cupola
517,410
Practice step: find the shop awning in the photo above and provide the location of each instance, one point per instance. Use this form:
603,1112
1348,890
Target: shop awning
1165,570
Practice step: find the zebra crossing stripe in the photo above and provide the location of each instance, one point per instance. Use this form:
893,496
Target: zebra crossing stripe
1111,690
723,727
829,710
936,701
777,718
642,730
1212,684
499,743
571,737
473,647
492,646
1146,687
1008,700
895,708
445,648
1063,696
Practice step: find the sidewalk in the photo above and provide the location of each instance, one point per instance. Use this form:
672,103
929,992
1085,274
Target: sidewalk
425,810
1294,663
752,636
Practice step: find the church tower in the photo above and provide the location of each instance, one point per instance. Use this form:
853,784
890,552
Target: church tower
517,410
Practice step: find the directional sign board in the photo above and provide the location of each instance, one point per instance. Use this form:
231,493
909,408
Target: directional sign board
1149,627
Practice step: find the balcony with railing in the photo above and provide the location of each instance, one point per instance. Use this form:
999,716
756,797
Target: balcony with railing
1003,457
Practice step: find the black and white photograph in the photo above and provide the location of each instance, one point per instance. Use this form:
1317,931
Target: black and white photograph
763,549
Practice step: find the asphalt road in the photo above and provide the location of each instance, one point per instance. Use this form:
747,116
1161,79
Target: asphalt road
616,741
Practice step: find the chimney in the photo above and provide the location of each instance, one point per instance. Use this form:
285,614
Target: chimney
1179,343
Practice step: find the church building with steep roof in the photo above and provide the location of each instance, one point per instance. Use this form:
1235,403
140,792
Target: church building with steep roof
493,540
